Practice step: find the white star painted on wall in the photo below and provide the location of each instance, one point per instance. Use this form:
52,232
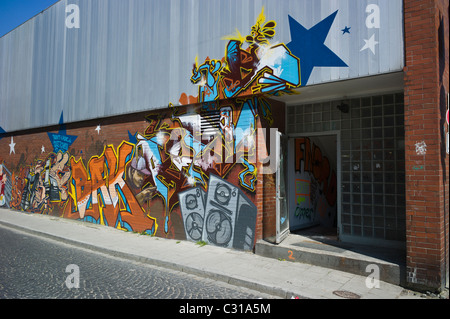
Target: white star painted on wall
370,44
98,129
12,146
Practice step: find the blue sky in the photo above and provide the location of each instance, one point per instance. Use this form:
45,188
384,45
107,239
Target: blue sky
15,12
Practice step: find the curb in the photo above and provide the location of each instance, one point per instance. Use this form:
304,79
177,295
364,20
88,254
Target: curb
232,280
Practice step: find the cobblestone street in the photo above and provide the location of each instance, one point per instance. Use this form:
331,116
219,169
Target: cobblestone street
35,268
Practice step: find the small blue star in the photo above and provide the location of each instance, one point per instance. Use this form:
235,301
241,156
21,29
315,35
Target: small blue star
309,47
346,30
132,138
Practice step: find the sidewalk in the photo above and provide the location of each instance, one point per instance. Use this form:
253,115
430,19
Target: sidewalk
267,275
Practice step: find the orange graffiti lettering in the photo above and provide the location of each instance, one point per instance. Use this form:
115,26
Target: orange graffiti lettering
101,194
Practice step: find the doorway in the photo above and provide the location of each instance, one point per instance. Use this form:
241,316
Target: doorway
313,184
282,213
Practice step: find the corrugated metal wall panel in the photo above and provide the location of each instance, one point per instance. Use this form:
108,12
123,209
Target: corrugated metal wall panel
137,55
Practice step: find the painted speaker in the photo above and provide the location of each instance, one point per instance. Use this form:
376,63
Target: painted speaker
193,212
230,217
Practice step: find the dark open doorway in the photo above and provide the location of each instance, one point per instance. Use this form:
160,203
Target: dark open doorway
313,191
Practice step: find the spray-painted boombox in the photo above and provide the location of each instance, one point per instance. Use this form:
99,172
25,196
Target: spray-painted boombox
223,216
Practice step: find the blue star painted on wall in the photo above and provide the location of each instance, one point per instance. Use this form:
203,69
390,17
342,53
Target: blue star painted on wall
2,131
132,138
346,30
61,141
309,47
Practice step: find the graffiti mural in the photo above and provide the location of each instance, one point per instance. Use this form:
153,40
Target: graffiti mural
103,193
190,174
180,154
252,65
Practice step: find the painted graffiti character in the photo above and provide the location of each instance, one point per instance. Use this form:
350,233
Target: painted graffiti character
3,179
46,182
57,177
137,179
34,192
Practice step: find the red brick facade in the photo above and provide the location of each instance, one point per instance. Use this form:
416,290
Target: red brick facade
426,81
426,88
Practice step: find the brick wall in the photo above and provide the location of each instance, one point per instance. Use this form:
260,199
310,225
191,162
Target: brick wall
266,189
444,82
427,187
146,184
259,188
